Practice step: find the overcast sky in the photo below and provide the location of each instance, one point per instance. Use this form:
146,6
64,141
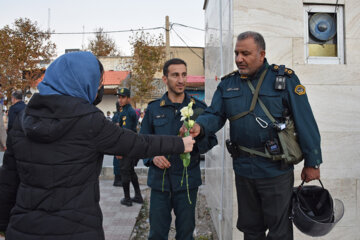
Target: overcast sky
112,15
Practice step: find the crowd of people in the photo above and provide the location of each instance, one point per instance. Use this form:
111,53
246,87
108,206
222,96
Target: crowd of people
49,181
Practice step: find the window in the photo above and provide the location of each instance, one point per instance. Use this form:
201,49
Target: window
324,34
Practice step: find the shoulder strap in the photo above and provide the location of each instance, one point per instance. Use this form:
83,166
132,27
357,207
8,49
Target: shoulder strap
254,99
262,105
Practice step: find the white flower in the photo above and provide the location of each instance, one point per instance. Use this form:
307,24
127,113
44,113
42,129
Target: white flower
191,123
186,112
191,112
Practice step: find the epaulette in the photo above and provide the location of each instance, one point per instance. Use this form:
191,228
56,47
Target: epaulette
153,101
229,74
287,71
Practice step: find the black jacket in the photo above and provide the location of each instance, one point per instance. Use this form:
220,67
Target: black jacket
50,174
14,111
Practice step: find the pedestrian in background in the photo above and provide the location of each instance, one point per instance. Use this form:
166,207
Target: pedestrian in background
116,162
108,116
17,106
49,181
3,134
141,118
128,119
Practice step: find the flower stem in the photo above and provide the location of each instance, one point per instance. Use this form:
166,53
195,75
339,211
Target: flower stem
182,179
187,186
163,180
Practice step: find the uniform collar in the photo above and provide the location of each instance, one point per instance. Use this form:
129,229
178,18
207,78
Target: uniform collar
258,73
126,106
165,101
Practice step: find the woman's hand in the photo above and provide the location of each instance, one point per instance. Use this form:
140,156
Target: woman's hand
188,144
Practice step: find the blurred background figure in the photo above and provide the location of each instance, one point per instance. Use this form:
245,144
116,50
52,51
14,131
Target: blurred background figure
17,106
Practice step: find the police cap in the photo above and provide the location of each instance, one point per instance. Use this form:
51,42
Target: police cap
123,92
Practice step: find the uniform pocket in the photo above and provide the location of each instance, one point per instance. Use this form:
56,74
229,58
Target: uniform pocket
273,102
234,102
232,93
158,122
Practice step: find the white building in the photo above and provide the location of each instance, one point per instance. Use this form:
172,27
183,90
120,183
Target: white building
329,70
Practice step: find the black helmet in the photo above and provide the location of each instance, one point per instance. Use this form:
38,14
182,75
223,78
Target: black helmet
314,212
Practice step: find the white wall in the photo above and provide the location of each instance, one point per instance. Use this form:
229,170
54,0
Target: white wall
333,92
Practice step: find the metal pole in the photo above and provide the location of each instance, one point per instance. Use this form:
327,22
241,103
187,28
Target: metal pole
167,35
221,214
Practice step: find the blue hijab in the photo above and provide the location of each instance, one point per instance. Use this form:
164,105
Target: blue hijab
74,74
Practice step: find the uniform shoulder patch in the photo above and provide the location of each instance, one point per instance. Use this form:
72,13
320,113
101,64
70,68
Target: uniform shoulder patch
300,90
229,75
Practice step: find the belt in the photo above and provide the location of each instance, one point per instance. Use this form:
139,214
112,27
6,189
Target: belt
246,154
235,150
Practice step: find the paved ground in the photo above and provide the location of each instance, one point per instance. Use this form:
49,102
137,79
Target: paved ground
119,220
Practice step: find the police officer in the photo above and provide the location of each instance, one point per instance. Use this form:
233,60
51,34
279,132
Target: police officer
163,117
264,187
116,162
127,119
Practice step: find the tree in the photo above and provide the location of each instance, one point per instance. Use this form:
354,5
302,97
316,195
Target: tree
22,48
102,45
148,55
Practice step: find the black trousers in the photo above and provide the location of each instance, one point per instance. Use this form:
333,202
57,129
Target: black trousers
264,204
127,169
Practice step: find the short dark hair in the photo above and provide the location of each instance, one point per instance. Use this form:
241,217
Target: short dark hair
17,94
258,38
172,62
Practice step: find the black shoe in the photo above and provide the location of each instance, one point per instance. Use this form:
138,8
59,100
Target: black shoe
117,181
138,199
126,201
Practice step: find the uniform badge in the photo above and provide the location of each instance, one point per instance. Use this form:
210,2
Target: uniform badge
124,118
300,90
162,103
122,90
124,123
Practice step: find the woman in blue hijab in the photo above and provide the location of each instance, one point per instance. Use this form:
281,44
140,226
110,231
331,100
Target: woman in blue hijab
49,181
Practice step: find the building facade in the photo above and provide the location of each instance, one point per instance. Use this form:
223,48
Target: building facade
329,70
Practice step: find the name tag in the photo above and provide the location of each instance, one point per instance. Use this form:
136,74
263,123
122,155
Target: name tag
160,116
232,89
